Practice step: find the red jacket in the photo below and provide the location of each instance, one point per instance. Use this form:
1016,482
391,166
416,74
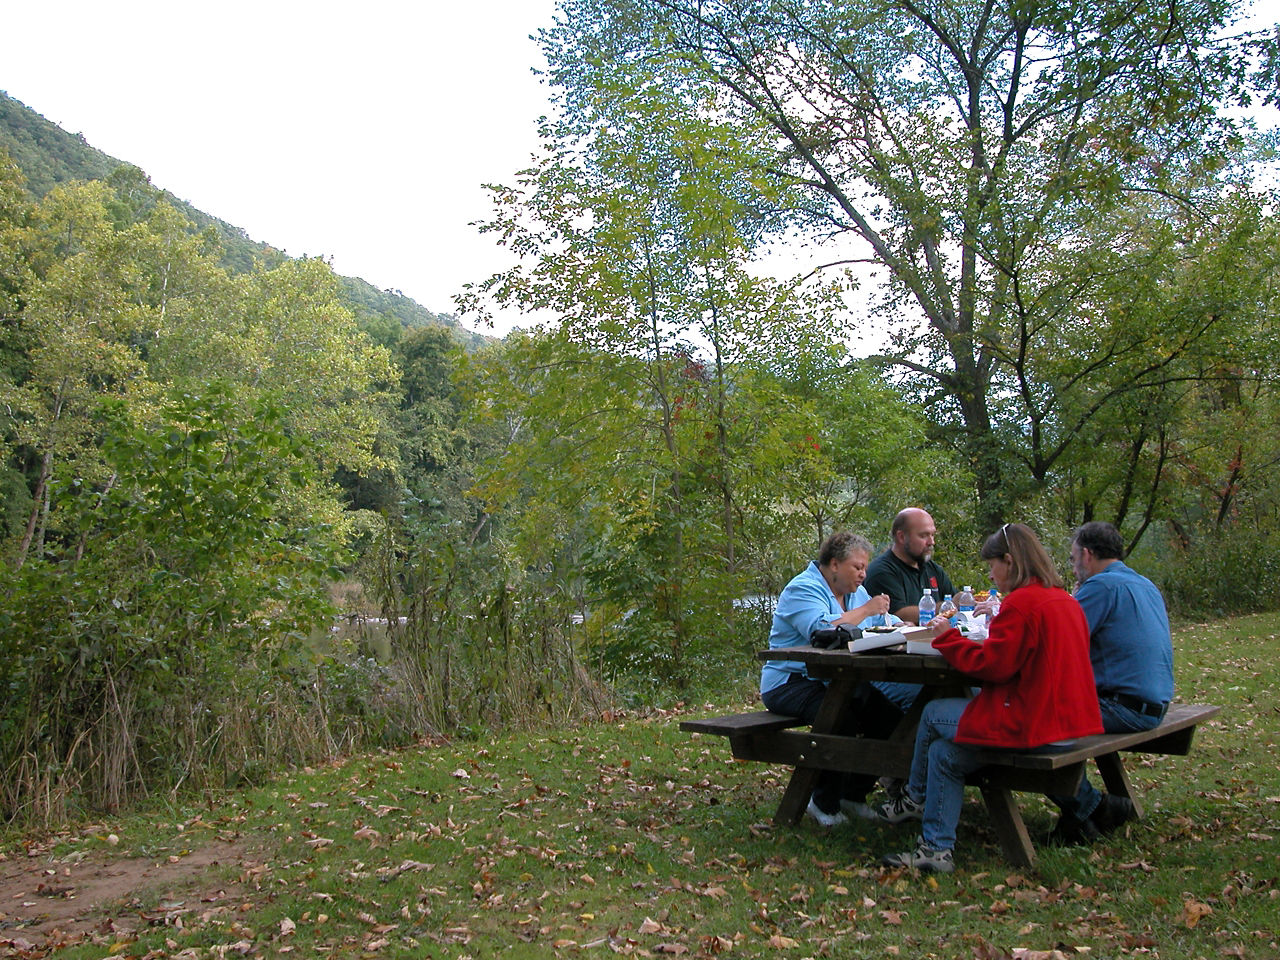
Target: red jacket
1037,684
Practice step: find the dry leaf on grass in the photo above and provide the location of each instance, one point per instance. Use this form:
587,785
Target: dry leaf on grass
1193,911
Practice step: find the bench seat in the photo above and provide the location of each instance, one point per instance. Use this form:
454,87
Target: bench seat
741,724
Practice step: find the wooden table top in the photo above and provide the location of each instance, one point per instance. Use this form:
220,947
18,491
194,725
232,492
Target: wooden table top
873,665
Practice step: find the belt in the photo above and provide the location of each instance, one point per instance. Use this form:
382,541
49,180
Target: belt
1136,704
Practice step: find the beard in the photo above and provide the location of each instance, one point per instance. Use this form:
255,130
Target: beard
921,557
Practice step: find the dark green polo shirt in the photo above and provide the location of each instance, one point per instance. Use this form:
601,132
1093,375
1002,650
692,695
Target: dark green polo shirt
905,585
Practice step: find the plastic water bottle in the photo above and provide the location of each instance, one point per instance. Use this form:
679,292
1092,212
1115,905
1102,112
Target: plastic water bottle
965,604
947,608
927,607
995,604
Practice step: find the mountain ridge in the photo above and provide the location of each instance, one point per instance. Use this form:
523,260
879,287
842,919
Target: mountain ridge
48,156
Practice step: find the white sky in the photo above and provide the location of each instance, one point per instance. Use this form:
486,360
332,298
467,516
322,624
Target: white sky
356,131
361,132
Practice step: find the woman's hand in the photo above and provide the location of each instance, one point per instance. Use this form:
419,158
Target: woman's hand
876,606
872,608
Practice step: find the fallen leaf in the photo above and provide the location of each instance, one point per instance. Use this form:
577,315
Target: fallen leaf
1193,911
779,942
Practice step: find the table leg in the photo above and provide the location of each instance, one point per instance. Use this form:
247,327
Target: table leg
836,703
1007,820
1117,781
796,797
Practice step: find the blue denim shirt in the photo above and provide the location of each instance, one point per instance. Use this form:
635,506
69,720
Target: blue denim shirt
1130,645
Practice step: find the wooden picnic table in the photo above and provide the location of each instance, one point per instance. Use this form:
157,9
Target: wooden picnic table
773,738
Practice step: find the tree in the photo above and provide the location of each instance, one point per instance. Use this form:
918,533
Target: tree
978,150
657,429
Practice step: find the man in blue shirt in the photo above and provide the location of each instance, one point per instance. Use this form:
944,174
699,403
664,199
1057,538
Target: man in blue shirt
827,592
1131,649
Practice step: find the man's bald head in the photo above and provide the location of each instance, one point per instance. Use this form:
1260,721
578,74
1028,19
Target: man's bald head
913,535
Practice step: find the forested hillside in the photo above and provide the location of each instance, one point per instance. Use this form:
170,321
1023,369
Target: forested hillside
48,156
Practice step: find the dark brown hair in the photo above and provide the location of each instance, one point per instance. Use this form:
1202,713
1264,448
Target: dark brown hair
1028,559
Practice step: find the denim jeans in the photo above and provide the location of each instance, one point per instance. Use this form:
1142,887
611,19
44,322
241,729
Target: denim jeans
872,715
901,695
938,769
1116,718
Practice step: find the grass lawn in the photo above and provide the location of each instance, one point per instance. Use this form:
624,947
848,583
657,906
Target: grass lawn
628,836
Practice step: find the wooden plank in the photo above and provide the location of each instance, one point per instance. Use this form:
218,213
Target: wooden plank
1007,820
825,751
1172,736
1064,781
1117,780
734,724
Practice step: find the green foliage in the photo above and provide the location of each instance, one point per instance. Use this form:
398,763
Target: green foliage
1235,571
993,161
182,573
169,534
485,643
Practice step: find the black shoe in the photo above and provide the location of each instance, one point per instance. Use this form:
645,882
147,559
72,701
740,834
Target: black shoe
1070,832
1112,812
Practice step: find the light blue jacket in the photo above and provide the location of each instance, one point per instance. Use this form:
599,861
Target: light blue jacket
806,604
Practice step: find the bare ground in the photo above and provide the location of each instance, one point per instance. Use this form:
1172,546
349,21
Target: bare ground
51,898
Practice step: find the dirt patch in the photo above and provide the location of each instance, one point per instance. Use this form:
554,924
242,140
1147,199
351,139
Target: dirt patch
49,901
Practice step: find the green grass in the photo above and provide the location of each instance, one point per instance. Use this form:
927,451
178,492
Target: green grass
632,837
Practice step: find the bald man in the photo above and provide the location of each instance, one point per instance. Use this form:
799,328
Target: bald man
906,568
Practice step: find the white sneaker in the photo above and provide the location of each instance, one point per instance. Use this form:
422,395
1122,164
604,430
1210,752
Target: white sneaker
900,808
857,808
825,819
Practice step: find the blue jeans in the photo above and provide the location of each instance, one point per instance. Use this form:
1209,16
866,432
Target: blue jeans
1116,718
938,769
901,695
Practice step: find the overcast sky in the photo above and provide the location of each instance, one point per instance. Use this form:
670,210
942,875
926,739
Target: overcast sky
356,131
361,132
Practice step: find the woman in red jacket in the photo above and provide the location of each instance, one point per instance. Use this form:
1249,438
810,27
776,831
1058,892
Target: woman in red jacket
1037,691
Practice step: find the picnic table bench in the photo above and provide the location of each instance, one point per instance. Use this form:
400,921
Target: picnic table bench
773,738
